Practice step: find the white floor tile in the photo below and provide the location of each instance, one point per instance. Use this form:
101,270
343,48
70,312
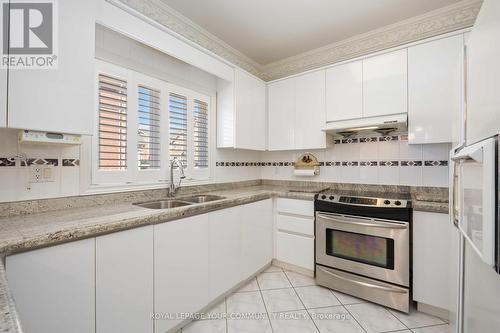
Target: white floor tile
347,299
249,326
417,319
375,318
206,326
317,297
292,322
433,329
280,300
335,320
299,280
216,312
250,286
250,302
273,280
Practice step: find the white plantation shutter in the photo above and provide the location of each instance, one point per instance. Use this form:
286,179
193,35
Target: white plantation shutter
112,123
200,134
178,127
148,128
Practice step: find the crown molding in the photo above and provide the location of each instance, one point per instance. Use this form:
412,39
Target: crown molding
447,19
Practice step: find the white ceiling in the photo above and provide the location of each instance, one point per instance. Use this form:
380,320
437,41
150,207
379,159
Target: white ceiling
271,30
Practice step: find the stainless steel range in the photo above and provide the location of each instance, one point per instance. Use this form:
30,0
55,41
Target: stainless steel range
363,247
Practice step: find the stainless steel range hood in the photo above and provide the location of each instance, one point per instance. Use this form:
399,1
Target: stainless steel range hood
380,124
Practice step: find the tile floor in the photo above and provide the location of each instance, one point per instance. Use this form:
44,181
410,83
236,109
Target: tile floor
287,302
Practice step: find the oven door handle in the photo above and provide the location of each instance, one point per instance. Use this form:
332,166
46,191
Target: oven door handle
364,284
371,223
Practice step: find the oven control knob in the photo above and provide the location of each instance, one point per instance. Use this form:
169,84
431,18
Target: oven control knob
397,203
387,202
331,197
323,197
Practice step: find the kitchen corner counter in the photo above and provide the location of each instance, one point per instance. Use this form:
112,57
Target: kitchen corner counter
110,213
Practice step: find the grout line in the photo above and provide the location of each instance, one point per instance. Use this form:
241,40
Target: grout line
355,318
436,325
301,302
396,317
265,307
225,307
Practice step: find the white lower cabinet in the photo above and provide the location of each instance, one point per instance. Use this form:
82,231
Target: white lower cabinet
295,249
54,289
224,238
256,236
432,236
124,281
180,269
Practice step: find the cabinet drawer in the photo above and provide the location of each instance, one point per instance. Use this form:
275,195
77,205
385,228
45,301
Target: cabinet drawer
295,224
295,250
294,206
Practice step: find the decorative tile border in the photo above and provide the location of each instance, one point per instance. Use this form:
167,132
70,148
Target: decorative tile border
41,161
7,161
70,162
406,163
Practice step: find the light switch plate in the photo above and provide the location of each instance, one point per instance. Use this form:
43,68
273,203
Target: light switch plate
42,174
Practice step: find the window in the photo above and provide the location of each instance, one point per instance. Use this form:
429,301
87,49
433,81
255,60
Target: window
143,124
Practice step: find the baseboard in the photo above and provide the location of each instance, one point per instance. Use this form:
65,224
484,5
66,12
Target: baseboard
293,268
434,311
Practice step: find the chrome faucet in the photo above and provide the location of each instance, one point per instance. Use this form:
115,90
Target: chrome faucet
172,188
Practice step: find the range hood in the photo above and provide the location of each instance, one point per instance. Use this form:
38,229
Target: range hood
380,124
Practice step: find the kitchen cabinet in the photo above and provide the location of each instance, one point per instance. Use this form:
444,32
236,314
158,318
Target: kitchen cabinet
61,99
224,238
124,281
310,111
385,84
432,243
3,97
296,108
344,91
295,232
256,236
54,288
241,112
434,89
281,112
181,266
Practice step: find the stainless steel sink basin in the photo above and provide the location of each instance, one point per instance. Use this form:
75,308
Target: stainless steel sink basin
163,204
202,198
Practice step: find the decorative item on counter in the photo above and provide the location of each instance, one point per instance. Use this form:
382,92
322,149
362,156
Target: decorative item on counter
307,165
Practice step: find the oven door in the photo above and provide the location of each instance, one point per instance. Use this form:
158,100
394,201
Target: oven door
375,248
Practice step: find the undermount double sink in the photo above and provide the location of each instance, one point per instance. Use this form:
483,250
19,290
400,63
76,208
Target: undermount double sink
180,202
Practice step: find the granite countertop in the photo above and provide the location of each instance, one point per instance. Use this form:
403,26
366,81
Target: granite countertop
30,231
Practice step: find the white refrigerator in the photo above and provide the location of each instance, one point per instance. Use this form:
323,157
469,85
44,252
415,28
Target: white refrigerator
474,183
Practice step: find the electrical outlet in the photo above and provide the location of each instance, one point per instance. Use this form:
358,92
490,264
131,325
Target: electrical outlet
42,173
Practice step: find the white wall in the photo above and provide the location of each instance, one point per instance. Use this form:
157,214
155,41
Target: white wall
393,151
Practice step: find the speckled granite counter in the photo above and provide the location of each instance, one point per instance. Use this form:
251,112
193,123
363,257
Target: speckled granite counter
33,224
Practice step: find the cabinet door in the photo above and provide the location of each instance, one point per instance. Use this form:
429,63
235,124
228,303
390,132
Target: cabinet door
434,89
225,267
385,84
295,249
310,115
61,99
431,259
281,109
344,91
256,236
180,268
124,281
53,288
3,97
250,106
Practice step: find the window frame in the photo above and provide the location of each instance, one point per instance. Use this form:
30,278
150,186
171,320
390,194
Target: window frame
133,177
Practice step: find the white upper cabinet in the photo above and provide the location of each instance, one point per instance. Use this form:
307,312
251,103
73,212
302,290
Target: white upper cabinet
61,99
124,296
3,97
344,91
281,109
310,111
385,84
296,108
434,89
241,112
